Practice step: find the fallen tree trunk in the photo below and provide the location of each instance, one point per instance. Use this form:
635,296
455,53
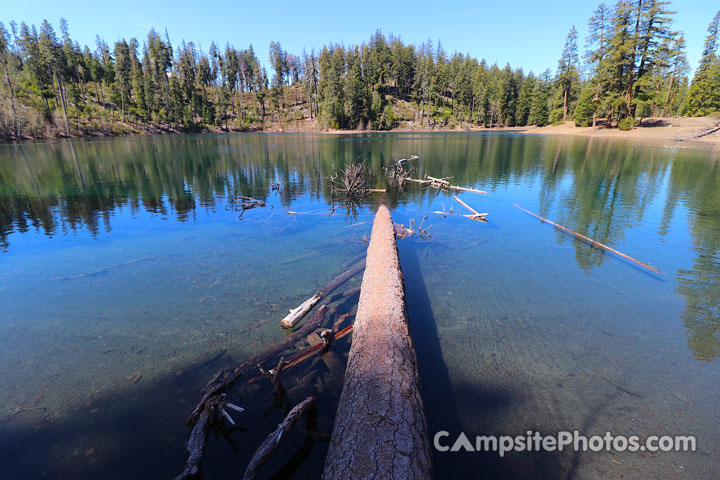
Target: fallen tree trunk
589,240
380,429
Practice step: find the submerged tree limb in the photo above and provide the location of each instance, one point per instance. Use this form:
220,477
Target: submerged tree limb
198,438
298,313
214,391
105,269
587,239
273,440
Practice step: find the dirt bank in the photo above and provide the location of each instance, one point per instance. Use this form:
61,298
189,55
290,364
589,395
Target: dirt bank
682,129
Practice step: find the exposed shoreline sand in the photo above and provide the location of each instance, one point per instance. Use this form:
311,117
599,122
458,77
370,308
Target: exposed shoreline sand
682,129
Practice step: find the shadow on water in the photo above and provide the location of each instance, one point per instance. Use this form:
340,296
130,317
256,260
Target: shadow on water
140,432
440,397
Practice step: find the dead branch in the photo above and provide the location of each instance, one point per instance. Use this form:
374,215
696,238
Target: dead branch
195,447
352,181
443,184
274,375
310,351
241,203
213,391
401,231
397,175
198,438
297,314
587,239
475,214
273,440
403,160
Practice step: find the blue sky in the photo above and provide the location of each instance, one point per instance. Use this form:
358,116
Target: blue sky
526,33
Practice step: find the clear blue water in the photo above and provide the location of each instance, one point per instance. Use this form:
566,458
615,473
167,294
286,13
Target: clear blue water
123,276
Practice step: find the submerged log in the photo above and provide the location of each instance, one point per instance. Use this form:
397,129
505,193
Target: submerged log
297,314
475,213
592,242
380,429
198,438
273,440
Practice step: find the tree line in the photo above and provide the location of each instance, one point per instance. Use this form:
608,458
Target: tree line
633,67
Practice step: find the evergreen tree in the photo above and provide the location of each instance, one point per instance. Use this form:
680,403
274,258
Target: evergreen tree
568,77
704,97
540,109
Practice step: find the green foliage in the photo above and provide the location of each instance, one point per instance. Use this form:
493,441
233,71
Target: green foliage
586,107
626,123
704,93
636,67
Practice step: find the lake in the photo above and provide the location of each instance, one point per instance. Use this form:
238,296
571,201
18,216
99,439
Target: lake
128,279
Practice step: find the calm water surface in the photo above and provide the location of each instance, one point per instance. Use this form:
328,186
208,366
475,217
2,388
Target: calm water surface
127,282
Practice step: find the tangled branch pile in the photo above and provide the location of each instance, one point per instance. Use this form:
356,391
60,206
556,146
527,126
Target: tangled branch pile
397,175
351,180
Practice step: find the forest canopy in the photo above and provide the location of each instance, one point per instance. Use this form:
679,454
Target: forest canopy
631,66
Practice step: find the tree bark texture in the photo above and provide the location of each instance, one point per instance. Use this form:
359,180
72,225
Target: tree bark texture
380,429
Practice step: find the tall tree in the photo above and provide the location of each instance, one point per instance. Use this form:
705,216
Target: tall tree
8,64
568,77
703,96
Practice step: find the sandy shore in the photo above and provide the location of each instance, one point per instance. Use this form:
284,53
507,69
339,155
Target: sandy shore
666,129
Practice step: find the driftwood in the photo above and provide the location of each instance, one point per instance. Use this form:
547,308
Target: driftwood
273,440
443,184
403,160
351,180
274,375
213,401
702,133
311,350
212,392
241,203
475,214
397,175
401,231
380,429
297,314
587,239
198,437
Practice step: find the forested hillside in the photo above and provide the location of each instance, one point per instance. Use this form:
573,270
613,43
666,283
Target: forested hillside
632,66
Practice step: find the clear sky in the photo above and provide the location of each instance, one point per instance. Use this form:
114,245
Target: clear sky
526,33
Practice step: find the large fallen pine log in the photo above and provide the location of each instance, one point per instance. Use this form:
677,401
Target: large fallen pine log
380,429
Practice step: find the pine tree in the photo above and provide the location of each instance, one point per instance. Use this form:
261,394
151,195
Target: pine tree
524,102
568,77
540,109
8,63
703,97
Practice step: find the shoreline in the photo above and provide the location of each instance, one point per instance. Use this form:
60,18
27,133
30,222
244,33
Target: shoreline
675,130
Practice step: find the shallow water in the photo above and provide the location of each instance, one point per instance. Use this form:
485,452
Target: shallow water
126,282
